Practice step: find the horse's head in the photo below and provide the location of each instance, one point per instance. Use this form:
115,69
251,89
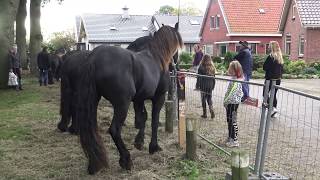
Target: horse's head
167,40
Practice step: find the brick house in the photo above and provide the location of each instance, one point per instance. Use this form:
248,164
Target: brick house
300,25
226,22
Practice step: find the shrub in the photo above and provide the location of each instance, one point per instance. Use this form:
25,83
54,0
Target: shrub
294,67
315,65
185,58
217,59
185,66
220,67
258,61
228,57
310,70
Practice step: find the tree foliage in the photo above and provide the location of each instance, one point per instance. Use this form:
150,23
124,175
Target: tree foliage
60,40
185,10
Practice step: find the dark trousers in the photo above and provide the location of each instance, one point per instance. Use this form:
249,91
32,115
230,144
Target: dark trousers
17,72
206,98
43,79
232,121
275,101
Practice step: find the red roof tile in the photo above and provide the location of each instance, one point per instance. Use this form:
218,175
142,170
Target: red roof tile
243,16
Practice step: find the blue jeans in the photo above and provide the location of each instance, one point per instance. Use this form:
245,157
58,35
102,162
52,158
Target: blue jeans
43,79
245,86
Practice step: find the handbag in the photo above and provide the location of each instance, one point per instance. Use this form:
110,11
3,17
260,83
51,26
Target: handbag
13,79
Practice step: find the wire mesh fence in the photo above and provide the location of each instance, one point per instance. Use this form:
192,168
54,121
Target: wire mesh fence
293,141
293,138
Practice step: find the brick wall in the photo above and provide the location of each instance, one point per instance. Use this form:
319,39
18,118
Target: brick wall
312,47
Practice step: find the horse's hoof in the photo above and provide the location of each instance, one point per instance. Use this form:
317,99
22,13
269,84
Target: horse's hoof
126,163
73,131
153,149
92,170
62,128
138,145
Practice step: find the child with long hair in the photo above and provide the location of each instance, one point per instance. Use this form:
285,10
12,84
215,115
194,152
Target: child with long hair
206,84
273,66
231,102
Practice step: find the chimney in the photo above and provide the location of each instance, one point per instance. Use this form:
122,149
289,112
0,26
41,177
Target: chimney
125,14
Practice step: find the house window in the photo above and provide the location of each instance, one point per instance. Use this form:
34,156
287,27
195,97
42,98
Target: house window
238,47
301,45
267,49
288,44
253,48
217,21
222,50
212,25
208,49
294,8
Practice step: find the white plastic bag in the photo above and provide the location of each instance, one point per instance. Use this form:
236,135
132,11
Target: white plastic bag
13,79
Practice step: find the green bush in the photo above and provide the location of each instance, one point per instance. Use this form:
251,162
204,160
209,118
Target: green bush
294,67
258,61
220,67
315,65
217,59
310,70
228,57
185,58
185,66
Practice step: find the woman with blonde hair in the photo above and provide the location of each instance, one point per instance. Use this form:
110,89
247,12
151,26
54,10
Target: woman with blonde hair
206,84
273,66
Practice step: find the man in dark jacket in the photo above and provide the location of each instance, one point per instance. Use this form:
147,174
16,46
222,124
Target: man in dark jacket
245,59
43,66
15,65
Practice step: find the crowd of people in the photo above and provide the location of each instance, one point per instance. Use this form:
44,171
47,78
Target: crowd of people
239,69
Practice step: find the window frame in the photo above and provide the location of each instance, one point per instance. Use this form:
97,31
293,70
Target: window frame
301,45
286,42
212,22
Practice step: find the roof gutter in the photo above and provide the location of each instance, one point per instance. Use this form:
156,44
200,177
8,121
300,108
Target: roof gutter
254,34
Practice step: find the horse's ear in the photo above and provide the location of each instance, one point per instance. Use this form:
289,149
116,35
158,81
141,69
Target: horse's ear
176,26
162,24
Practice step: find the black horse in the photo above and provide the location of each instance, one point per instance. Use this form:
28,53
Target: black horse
122,76
69,70
54,62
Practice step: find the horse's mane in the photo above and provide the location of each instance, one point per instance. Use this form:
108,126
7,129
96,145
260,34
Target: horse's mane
164,43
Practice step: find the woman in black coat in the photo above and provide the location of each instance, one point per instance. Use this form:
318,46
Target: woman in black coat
273,66
206,84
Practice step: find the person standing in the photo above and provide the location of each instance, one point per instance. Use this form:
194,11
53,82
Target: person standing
15,65
245,58
43,66
231,102
273,67
206,84
197,57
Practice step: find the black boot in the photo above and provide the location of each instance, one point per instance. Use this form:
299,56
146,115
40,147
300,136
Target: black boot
211,112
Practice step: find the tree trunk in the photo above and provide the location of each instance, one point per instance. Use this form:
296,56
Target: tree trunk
8,11
35,33
21,32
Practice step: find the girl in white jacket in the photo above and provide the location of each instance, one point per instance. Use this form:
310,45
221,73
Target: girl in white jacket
231,102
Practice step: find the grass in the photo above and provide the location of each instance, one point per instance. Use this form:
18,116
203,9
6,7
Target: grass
32,148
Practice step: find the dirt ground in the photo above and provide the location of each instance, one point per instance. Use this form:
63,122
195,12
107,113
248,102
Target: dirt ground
45,153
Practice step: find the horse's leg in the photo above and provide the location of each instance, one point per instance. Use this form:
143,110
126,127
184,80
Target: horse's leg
140,122
65,109
119,116
157,104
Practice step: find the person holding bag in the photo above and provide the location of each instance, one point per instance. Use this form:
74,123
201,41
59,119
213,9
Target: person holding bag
15,66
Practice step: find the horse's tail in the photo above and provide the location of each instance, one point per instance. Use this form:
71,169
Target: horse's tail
90,139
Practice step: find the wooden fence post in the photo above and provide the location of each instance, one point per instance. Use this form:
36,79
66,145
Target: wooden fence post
169,116
239,165
191,139
182,125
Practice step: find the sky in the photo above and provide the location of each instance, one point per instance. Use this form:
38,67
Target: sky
57,17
